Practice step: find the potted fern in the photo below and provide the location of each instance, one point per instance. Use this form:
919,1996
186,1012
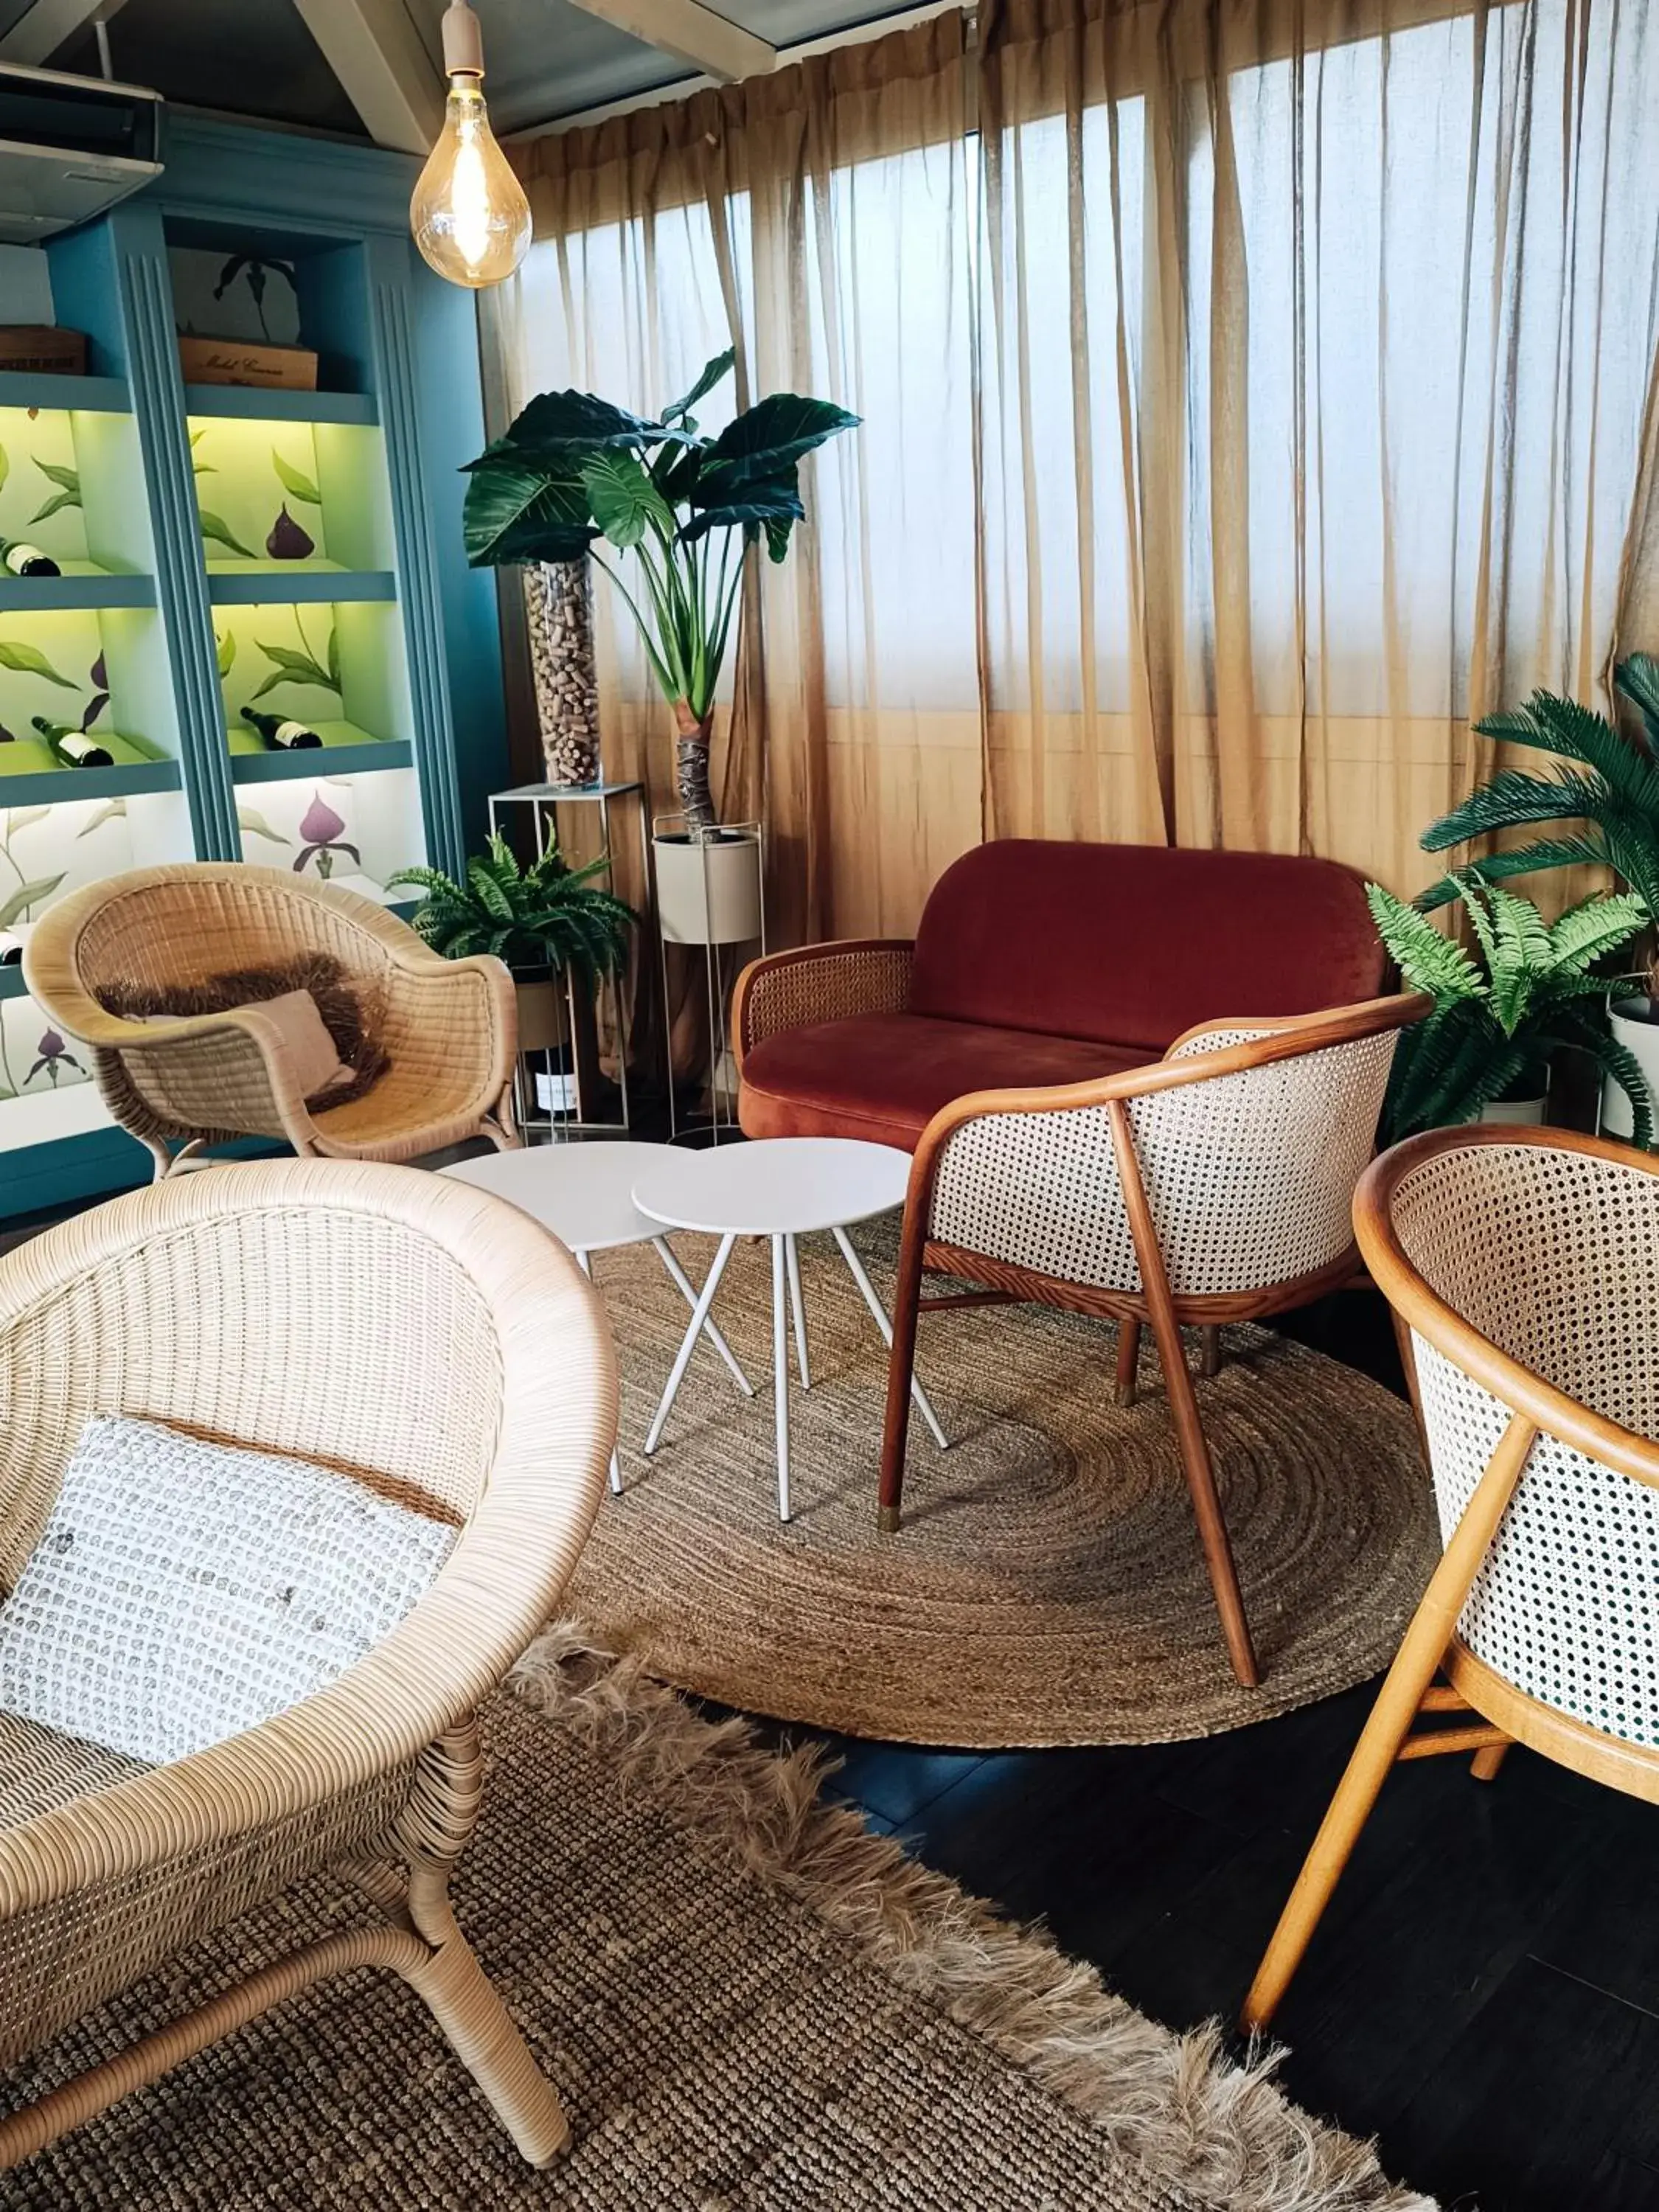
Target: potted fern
547,921
1602,808
575,472
1483,1051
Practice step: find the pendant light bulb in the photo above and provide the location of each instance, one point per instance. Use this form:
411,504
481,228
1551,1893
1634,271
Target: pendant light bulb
469,214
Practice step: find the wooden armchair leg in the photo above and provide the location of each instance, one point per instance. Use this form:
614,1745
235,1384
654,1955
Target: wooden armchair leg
901,1367
1209,1358
1129,1361
1398,1703
1207,1504
1485,1764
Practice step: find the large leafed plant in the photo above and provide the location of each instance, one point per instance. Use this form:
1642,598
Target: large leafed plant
574,470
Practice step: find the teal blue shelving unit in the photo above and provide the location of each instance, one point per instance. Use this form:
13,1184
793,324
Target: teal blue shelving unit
223,546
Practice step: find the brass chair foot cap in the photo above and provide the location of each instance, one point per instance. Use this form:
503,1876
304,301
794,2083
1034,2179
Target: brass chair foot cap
1126,1398
887,1520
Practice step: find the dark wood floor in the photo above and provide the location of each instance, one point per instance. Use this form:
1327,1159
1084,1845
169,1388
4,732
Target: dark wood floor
1484,1994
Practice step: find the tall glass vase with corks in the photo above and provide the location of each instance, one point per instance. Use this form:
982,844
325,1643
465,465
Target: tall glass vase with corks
559,610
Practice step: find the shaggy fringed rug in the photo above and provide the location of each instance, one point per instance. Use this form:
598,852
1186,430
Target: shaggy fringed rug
748,2004
1047,1586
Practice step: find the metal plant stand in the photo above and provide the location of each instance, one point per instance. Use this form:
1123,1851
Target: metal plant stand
577,1118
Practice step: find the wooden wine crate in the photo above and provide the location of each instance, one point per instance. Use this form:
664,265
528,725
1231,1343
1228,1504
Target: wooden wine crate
239,361
42,349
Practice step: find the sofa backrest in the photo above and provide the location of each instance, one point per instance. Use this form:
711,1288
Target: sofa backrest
1130,944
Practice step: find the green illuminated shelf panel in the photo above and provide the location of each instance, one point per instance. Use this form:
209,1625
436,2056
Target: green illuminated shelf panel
245,402
83,584
345,751
31,775
86,395
251,584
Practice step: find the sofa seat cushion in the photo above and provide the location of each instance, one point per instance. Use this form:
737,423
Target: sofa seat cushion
883,1077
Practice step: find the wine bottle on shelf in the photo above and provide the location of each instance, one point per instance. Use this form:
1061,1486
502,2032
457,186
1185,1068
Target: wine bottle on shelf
285,736
20,558
73,747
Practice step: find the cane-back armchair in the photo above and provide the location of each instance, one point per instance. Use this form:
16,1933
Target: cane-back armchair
447,1028
409,1331
1213,1186
1522,1266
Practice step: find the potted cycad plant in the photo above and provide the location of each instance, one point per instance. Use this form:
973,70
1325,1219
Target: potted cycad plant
1603,804
575,472
1483,1051
546,922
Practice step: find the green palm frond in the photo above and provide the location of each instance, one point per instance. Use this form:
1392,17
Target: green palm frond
1637,678
1512,797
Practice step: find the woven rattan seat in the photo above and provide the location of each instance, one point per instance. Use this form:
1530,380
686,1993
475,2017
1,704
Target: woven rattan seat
407,1330
448,1028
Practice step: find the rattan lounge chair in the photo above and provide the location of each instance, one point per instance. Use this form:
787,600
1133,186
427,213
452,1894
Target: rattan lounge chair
448,1027
396,1326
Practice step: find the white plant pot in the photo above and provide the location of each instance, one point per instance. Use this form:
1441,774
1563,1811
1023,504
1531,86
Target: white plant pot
1641,1039
708,893
1518,1113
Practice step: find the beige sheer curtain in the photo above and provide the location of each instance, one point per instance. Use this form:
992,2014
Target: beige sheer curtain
1350,436
1255,392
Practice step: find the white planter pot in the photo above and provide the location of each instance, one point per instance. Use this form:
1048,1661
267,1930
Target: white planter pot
708,893
1640,1039
1518,1113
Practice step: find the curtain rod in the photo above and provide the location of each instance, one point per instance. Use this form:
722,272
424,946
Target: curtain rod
854,34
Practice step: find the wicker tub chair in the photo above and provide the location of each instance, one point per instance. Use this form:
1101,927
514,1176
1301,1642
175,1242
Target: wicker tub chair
448,1027
1213,1186
412,1331
1522,1266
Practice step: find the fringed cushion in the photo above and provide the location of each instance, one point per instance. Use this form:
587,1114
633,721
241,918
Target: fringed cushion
349,1012
182,1592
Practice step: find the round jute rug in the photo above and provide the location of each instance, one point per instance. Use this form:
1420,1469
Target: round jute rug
1047,1587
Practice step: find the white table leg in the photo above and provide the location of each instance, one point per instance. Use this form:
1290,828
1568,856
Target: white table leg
798,1307
681,1283
878,1314
781,1373
683,1357
585,1262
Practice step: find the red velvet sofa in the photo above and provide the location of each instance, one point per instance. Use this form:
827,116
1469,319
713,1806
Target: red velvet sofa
1039,963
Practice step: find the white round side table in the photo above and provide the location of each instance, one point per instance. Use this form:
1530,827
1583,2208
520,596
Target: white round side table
779,1188
583,1193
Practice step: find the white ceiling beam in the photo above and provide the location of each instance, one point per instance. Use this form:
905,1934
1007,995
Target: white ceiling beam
691,33
44,25
375,50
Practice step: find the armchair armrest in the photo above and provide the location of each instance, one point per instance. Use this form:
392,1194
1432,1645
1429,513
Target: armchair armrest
820,983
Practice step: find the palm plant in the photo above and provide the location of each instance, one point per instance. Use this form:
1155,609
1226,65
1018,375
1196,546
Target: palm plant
546,915
1497,1022
572,470
1611,786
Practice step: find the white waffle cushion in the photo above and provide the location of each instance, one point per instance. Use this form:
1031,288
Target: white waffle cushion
183,1591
